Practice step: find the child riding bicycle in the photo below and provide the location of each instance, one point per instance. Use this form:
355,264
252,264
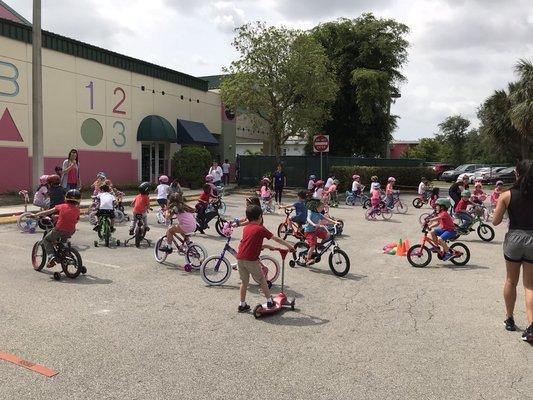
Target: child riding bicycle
313,229
141,204
444,227
184,214
106,206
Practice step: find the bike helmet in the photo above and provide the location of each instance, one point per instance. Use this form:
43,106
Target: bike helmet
336,182
209,178
312,176
377,185
356,177
265,180
163,179
73,195
443,202
477,184
374,178
144,187
53,179
392,179
43,179
499,183
101,175
424,179
465,193
319,183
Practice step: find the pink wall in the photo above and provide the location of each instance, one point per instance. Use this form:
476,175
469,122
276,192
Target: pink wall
398,149
15,167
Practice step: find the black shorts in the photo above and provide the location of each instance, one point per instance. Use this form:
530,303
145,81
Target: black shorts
162,202
108,213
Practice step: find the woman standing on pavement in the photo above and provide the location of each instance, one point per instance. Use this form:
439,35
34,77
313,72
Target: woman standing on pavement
71,171
280,181
456,189
518,243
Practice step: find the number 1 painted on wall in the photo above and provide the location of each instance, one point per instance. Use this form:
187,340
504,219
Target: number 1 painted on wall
90,86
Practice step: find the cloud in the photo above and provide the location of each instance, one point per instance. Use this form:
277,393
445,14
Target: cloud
200,60
318,9
227,16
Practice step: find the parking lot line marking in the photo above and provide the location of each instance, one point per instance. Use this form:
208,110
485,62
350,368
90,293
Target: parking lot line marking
27,364
103,264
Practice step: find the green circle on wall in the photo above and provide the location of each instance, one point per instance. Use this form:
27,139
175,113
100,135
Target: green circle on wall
92,132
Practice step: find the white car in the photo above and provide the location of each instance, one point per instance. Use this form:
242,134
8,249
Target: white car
485,174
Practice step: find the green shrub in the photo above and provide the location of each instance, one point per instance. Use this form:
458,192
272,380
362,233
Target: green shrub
190,165
406,177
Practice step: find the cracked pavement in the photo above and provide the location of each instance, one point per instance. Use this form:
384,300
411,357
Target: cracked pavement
134,329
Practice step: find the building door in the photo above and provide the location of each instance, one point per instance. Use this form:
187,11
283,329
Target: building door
154,161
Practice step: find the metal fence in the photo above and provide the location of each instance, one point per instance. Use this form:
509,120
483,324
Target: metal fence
250,169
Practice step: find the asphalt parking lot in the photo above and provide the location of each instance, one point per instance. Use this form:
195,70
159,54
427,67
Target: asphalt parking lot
134,329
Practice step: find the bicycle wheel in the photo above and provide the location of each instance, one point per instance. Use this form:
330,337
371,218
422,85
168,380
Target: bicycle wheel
300,253
138,237
339,262
401,208
386,213
219,226
38,256
196,254
93,219
215,270
423,217
350,201
283,231
119,216
461,254
370,214
222,208
70,264
485,232
417,202
365,202
419,256
270,266
159,255
25,223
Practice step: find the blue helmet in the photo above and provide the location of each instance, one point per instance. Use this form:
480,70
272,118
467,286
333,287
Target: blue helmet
312,177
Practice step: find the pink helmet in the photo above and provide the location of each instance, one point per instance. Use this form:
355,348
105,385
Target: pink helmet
392,179
43,179
209,178
163,179
356,177
265,180
499,183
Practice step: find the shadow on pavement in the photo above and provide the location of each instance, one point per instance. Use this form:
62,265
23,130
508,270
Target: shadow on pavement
348,276
456,267
86,279
284,318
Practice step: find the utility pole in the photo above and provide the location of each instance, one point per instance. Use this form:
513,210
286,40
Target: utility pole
37,97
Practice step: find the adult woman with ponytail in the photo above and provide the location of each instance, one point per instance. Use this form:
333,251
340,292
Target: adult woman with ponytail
518,243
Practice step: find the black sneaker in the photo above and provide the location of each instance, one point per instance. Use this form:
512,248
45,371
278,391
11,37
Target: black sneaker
271,303
131,232
527,336
96,228
146,228
244,308
509,324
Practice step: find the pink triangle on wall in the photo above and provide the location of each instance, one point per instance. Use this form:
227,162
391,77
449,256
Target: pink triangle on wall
8,129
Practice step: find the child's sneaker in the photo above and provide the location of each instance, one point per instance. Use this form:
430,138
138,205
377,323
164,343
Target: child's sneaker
131,232
243,308
527,336
509,324
165,248
50,261
271,303
146,228
447,255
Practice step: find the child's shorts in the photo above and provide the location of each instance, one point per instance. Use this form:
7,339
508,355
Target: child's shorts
109,213
247,268
162,202
518,246
444,235
265,198
311,237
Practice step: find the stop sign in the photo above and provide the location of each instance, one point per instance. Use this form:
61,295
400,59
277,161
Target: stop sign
321,143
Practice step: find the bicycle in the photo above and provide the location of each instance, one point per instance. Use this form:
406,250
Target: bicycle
335,259
351,198
194,253
120,213
216,270
484,231
420,255
24,220
68,257
212,212
422,199
267,206
401,208
288,227
104,231
160,216
139,232
380,210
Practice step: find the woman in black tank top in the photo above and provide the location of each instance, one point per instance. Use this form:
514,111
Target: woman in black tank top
518,243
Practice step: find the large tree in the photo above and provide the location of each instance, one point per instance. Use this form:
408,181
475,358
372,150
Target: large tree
282,75
453,132
367,54
521,112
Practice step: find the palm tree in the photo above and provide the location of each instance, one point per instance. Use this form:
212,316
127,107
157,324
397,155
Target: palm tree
521,111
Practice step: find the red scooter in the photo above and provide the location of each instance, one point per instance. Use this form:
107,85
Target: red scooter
281,300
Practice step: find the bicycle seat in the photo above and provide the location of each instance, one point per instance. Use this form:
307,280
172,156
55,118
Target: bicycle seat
288,211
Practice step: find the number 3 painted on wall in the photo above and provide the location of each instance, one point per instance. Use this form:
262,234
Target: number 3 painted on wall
120,133
12,79
115,109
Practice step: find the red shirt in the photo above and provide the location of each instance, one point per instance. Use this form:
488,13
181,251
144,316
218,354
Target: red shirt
446,221
461,206
72,175
141,203
204,197
252,241
68,216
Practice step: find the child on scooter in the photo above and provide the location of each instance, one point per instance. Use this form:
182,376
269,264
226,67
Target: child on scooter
141,204
186,223
313,229
446,228
248,255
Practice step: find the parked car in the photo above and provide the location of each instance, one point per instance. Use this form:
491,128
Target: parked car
506,175
485,174
439,168
452,175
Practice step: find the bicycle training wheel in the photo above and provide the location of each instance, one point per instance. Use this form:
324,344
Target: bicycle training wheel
38,256
272,267
70,264
25,223
419,256
215,270
300,253
119,216
160,255
339,263
485,232
463,254
196,254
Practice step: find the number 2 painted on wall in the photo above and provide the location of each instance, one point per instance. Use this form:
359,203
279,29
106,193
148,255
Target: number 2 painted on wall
115,109
122,129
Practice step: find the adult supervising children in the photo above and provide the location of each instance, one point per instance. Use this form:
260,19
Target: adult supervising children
71,171
216,172
225,172
280,181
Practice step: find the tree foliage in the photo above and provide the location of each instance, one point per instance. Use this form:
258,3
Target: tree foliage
453,132
190,164
282,75
366,55
521,112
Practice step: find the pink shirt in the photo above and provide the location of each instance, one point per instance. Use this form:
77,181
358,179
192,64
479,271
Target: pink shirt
388,189
187,221
72,176
265,191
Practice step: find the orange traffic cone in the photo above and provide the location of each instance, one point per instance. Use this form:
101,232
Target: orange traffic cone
401,249
407,245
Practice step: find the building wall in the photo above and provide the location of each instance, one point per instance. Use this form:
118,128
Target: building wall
251,128
89,106
398,149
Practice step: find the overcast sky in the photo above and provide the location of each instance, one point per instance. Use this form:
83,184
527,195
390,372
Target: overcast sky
460,50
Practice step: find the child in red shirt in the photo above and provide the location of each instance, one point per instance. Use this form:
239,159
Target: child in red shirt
460,210
203,203
141,205
446,228
248,255
68,216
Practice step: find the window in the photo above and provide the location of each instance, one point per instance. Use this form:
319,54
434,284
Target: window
284,151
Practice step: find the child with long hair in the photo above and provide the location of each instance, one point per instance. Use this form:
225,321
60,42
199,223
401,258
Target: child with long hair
183,214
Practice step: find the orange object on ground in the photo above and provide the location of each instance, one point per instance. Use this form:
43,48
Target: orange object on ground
27,364
407,245
401,249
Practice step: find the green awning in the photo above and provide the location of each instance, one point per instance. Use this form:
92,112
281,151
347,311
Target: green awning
154,128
